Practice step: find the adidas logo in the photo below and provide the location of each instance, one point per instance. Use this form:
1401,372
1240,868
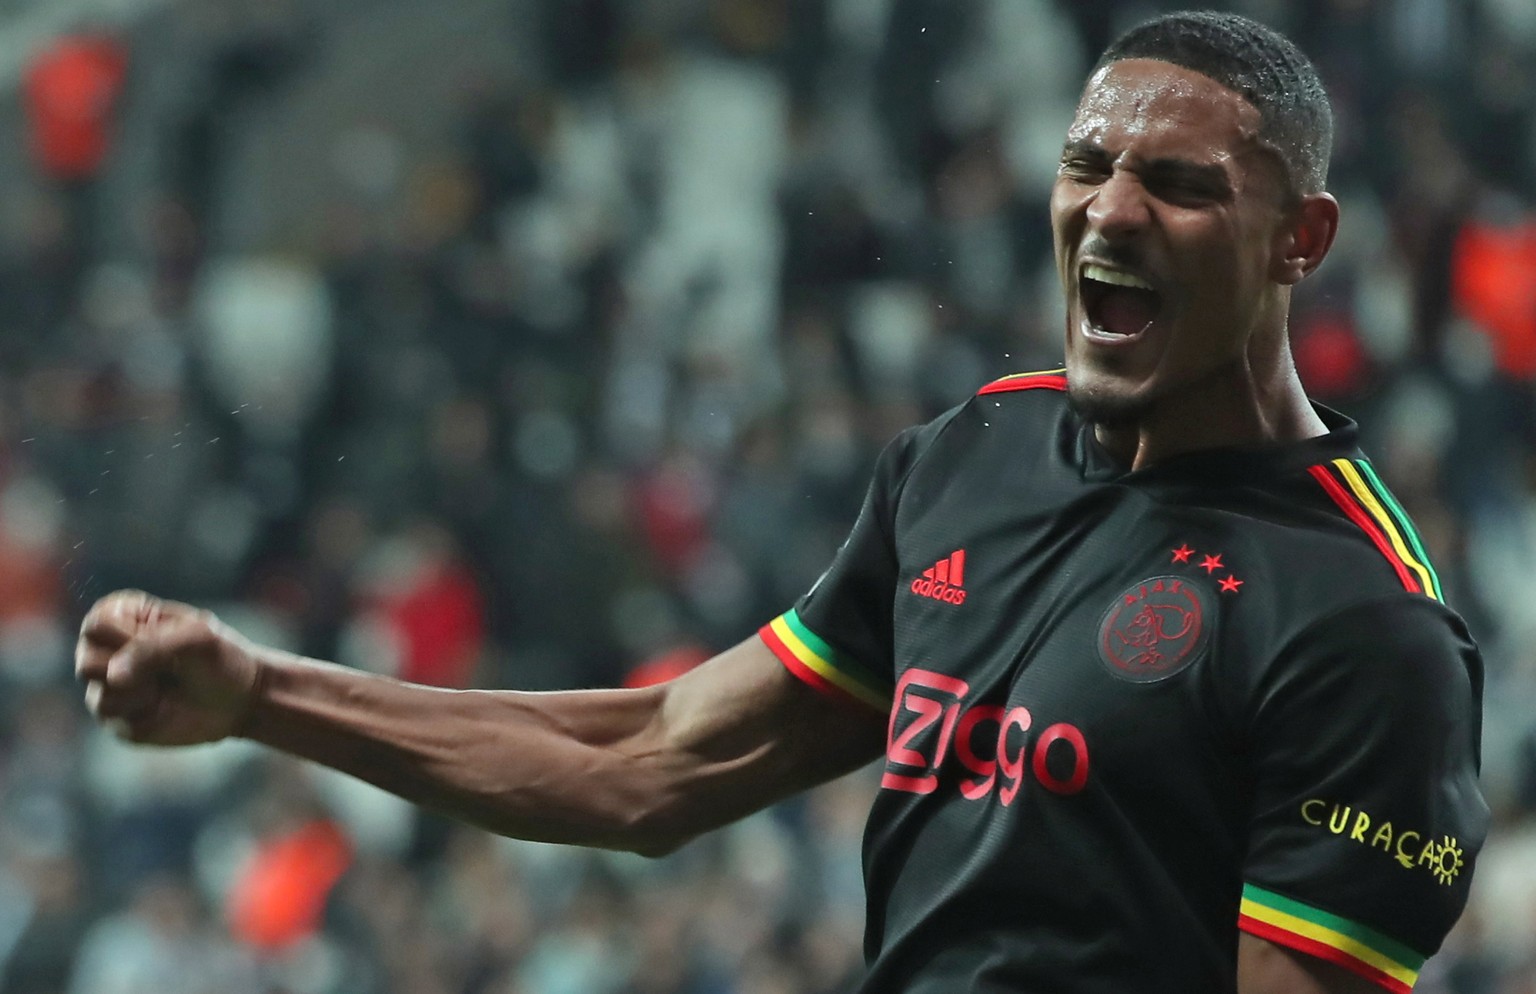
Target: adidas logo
944,580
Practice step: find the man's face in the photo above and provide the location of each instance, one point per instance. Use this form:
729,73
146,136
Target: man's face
1165,212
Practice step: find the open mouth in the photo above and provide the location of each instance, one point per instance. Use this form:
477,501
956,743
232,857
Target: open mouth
1117,303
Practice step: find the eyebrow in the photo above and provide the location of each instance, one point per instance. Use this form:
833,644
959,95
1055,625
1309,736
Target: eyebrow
1204,174
1082,148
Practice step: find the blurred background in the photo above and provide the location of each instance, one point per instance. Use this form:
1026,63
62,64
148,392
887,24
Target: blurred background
549,343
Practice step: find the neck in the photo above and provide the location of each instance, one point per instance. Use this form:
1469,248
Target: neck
1229,410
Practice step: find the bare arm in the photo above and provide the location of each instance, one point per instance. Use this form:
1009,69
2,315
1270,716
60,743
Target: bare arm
643,769
1264,967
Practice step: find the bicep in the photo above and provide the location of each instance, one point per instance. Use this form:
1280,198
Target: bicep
745,732
1263,967
1366,811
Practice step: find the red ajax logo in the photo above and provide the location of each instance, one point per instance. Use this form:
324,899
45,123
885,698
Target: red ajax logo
930,719
1154,629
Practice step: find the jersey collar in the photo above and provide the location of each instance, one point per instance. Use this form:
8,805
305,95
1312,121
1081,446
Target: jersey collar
1232,464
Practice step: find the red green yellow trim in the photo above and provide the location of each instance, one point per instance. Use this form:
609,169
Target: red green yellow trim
1050,379
1394,521
1361,516
811,659
1355,947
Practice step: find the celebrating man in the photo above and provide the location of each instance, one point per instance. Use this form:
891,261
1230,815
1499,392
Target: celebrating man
1166,691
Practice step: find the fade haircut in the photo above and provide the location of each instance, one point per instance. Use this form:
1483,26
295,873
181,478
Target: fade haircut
1256,61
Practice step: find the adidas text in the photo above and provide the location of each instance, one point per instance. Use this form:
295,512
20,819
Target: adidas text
938,591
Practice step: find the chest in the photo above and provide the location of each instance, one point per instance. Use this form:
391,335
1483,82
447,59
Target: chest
1053,643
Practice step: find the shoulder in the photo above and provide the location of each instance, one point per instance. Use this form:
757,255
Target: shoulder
1396,627
1369,521
1000,430
1336,585
1399,655
1002,409
1325,535
1023,405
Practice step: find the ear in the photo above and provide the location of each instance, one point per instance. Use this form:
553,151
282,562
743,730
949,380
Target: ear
1305,236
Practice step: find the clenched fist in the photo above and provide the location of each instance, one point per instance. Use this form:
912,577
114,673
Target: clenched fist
162,673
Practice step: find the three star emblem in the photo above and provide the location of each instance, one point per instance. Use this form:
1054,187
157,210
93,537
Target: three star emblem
1210,562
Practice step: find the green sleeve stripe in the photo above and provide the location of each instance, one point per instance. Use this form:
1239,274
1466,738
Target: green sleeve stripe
839,661
1403,521
813,641
1362,934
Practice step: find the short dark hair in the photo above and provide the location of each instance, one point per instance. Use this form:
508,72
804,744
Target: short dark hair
1256,61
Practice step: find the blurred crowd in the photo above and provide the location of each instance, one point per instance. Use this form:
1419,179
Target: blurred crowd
587,387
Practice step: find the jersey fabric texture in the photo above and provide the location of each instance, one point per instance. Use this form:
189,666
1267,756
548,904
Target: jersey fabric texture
1133,713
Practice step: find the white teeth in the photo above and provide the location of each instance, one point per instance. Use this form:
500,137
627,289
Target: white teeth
1115,276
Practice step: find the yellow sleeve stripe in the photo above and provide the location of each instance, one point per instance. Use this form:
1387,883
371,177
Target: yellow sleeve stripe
1388,524
1312,930
807,655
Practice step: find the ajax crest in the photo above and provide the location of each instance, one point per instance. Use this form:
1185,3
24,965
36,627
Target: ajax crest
1154,629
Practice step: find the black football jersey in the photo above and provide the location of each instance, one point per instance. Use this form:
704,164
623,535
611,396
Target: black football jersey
1133,713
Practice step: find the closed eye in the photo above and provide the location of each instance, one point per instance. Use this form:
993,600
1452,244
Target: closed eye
1084,172
1084,161
1185,183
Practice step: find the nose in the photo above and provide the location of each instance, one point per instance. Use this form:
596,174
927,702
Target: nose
1119,208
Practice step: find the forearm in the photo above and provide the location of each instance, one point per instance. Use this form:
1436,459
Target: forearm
583,767
644,770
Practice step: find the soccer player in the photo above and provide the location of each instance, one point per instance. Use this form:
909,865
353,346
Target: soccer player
1166,692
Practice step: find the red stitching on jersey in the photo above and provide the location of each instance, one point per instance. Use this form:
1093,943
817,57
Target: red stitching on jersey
1025,381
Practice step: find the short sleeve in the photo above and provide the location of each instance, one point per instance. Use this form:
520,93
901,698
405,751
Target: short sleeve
1367,813
838,636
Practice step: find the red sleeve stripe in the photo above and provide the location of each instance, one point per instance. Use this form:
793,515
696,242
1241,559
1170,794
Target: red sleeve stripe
1354,946
814,662
1358,515
1322,951
1051,379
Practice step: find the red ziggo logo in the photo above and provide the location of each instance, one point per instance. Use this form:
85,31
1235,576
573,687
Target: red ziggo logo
1002,760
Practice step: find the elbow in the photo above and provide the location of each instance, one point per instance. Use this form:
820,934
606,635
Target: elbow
657,848
661,830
